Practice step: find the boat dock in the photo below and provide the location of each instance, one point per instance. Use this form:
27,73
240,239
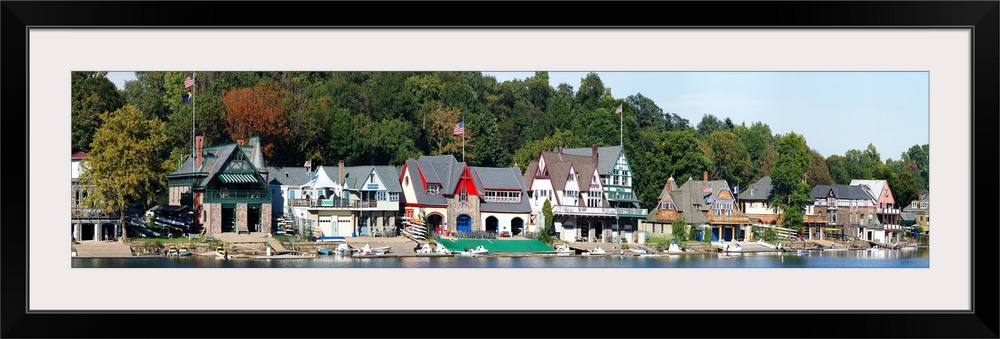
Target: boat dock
102,249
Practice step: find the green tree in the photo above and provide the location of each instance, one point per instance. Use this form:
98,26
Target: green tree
92,94
730,160
837,165
647,113
547,231
920,156
679,229
760,144
591,91
818,173
146,93
791,193
122,166
710,123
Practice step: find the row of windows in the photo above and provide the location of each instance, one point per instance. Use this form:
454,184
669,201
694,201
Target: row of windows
503,196
723,208
619,196
620,180
666,205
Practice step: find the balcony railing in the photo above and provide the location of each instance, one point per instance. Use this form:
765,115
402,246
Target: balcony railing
728,218
641,212
579,210
89,213
887,210
262,196
345,204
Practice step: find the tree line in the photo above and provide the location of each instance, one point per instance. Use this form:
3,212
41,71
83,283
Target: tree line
384,118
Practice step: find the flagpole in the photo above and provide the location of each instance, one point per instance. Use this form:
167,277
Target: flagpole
194,147
621,133
463,140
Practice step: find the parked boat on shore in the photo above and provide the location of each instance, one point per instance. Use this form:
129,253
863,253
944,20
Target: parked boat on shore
479,250
597,251
221,253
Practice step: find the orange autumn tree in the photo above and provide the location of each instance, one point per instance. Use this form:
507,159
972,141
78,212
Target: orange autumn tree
256,111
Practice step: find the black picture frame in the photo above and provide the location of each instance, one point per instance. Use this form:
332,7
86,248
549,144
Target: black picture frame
980,16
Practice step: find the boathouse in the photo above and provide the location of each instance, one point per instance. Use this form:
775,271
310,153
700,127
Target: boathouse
226,187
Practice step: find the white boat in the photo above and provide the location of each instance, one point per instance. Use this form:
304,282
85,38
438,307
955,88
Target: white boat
674,249
368,250
479,250
637,251
728,255
652,255
344,249
563,249
426,248
440,249
733,248
596,251
288,255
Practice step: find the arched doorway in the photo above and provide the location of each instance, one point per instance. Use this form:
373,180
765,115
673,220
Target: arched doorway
434,223
463,223
492,224
585,230
516,226
599,231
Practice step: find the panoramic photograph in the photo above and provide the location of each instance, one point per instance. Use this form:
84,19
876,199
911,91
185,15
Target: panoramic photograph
423,169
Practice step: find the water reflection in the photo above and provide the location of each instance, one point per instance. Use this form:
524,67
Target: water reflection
810,259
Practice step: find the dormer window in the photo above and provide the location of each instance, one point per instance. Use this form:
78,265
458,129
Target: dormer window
434,189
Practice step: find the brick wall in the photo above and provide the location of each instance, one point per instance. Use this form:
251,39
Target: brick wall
241,215
265,216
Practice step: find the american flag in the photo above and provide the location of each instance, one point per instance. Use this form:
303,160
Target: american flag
188,82
619,109
307,164
708,189
459,128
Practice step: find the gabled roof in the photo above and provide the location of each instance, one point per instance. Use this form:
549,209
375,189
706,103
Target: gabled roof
586,172
214,159
497,178
290,176
874,186
760,190
529,174
606,156
500,178
321,179
693,193
840,191
442,169
559,164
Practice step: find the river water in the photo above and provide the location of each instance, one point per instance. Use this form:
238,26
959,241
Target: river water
918,258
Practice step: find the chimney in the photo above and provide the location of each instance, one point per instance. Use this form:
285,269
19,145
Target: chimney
706,175
594,148
198,144
671,185
340,172
560,146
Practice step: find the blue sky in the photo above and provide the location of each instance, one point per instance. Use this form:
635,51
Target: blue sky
835,111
